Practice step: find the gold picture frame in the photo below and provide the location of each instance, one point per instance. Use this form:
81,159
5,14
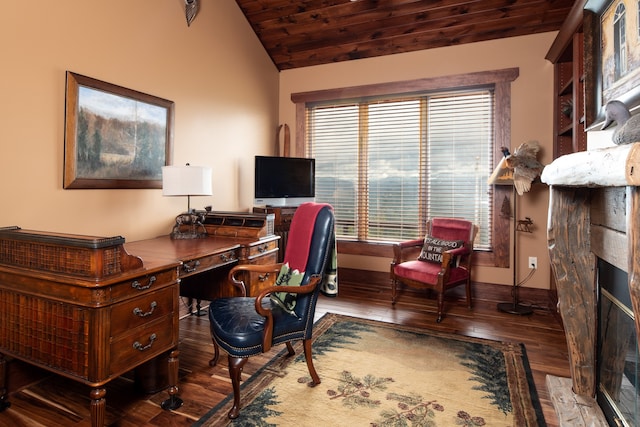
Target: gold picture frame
612,57
114,137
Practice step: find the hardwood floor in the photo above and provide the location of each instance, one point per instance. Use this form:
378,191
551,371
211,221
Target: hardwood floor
42,399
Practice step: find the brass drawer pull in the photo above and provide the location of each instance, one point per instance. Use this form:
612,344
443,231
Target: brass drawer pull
138,286
141,347
138,312
263,277
262,248
226,258
191,267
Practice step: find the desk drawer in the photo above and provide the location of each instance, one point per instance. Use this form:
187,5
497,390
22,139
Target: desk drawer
142,284
262,249
198,265
142,343
143,309
256,282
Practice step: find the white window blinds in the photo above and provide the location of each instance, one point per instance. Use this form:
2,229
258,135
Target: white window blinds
387,165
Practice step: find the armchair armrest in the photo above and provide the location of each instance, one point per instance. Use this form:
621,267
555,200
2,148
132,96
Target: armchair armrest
448,257
407,249
267,337
254,268
463,250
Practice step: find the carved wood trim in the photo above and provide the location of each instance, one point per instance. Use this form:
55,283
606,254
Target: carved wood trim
574,266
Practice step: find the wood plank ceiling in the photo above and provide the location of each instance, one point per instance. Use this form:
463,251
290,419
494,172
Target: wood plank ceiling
300,33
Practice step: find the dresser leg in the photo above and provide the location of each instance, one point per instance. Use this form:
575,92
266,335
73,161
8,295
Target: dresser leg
98,405
4,403
173,402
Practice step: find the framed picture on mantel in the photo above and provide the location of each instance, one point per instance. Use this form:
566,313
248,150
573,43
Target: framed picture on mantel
612,56
114,137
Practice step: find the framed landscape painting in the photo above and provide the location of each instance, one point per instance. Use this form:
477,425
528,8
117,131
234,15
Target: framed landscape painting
114,137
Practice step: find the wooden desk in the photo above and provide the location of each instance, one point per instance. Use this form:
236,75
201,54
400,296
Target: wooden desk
206,262
92,309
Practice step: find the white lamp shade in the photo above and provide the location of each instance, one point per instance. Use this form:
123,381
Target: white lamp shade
186,181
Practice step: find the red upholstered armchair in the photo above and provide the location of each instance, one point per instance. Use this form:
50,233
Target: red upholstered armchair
439,262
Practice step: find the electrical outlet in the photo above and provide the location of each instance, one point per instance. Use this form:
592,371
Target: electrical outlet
533,262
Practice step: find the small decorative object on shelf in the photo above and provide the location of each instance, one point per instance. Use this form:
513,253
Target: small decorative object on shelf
189,226
627,130
567,108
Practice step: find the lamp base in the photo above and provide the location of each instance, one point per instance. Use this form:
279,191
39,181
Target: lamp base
514,308
189,226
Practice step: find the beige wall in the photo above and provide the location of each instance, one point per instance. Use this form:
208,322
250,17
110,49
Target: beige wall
224,86
531,117
228,100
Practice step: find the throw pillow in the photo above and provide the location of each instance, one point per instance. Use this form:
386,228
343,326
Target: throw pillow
287,277
433,248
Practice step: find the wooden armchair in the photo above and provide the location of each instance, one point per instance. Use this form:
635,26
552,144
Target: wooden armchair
439,262
246,326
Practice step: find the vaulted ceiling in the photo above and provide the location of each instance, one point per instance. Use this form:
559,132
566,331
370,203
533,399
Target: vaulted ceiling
300,33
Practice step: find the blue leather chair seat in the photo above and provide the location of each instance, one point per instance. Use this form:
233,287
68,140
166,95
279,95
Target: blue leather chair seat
240,329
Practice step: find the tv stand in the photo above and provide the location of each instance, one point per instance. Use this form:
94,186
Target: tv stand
281,222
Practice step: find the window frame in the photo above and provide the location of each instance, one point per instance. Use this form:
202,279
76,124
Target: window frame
500,80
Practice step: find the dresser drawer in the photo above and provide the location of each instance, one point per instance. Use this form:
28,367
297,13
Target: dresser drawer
143,309
142,343
143,284
198,265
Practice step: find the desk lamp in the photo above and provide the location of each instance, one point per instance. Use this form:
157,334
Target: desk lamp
187,181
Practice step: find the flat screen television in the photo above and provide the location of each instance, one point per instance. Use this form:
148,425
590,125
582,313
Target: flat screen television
284,181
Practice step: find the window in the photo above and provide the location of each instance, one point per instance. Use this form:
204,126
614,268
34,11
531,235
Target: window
387,165
620,41
390,156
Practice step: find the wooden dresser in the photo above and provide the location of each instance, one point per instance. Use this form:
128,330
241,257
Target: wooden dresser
93,308
83,307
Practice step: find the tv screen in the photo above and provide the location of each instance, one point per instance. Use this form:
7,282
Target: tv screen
284,181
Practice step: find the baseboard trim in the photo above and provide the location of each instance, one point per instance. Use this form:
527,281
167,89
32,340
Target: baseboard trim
377,281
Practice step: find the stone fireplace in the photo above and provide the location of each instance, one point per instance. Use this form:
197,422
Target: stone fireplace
594,222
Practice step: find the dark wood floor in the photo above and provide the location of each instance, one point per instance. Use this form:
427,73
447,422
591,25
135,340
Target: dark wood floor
49,400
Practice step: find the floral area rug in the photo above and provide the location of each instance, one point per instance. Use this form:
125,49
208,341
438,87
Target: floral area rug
379,374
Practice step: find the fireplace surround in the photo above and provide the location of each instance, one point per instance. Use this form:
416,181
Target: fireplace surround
617,354
594,217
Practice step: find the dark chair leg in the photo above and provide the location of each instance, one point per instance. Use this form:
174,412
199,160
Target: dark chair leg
235,372
290,349
394,285
309,358
440,306
216,353
468,287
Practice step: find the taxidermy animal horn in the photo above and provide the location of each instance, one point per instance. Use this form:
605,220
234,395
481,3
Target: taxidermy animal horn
628,126
191,10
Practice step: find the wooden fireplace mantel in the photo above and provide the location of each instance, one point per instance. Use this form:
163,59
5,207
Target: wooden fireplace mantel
594,212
